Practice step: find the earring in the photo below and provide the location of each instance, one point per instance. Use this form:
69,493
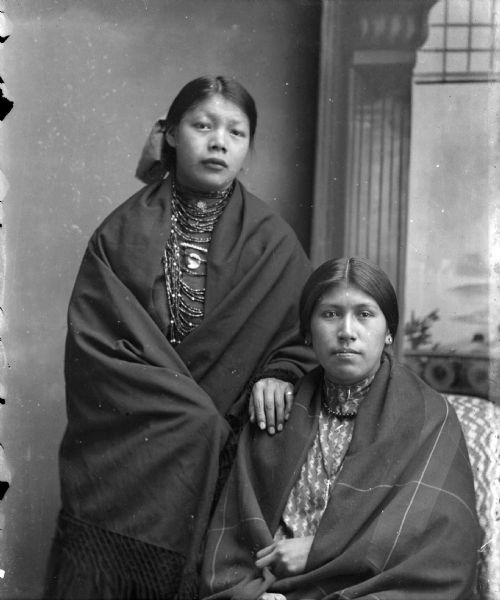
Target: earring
307,341
388,339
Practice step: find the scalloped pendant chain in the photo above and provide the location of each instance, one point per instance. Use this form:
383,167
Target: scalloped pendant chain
185,258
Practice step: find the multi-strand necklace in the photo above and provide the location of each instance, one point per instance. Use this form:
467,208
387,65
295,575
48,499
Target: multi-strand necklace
185,256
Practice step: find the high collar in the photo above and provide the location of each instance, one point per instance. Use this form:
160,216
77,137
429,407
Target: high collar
342,401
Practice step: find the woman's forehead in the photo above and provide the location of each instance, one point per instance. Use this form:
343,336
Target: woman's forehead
218,106
346,294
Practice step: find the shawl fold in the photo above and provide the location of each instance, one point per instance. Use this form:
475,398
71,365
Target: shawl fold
401,520
147,421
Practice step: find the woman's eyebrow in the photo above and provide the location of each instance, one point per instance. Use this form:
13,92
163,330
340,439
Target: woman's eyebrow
329,305
197,114
215,117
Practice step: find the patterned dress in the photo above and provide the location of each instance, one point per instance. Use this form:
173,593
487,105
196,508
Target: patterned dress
309,496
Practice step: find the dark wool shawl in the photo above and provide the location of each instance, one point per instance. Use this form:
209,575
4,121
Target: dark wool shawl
401,521
146,422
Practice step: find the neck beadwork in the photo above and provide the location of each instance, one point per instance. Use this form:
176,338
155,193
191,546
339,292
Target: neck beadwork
342,401
193,218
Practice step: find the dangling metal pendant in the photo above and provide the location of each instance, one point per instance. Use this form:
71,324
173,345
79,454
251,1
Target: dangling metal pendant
193,261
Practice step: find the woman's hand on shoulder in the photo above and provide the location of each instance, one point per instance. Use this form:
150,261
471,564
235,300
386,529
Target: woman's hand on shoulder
286,557
270,403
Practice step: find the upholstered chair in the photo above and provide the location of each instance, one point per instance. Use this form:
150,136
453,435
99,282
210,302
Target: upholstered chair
480,420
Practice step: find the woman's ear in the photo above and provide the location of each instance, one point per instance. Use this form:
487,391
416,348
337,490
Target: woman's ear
170,137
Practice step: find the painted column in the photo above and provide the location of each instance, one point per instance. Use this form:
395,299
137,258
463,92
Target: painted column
361,181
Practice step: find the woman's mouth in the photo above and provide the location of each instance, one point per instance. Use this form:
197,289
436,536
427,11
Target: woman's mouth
345,352
215,163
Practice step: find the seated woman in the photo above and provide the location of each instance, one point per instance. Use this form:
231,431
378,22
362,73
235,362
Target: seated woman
368,492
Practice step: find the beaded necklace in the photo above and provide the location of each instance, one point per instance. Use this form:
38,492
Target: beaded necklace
342,401
185,256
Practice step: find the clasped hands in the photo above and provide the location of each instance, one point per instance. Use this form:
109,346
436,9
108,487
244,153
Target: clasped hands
270,404
284,558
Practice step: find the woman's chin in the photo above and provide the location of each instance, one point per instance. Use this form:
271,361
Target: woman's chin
347,375
208,183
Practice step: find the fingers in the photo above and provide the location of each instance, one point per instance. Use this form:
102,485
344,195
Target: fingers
251,409
257,400
283,401
279,406
265,561
270,404
265,551
269,408
288,402
263,400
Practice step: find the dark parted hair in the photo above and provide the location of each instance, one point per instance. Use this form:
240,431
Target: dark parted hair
358,272
200,89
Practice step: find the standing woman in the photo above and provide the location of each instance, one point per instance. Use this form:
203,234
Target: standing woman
186,297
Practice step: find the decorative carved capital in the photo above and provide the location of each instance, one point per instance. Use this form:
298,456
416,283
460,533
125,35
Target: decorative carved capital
387,24
382,38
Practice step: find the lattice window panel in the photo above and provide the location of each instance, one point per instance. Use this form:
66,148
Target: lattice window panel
463,43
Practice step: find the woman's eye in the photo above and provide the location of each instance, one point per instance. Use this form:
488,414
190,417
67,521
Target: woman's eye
365,314
238,132
329,314
201,126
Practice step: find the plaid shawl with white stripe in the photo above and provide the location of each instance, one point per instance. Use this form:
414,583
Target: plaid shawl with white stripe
401,521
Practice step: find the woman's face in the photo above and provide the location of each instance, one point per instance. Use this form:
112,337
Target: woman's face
348,334
211,142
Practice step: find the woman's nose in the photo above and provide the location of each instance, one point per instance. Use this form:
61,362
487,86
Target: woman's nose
218,140
346,329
